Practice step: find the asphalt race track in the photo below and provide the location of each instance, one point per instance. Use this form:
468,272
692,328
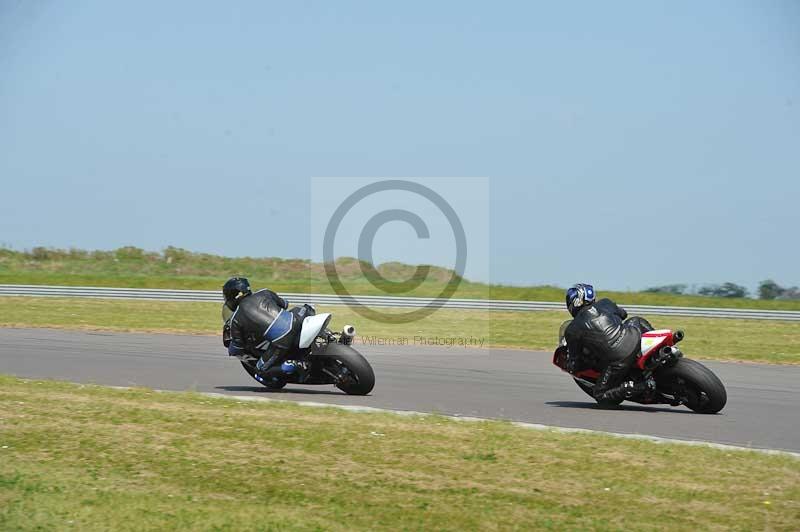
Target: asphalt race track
763,401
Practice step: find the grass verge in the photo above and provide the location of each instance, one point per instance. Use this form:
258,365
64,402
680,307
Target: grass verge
94,458
710,339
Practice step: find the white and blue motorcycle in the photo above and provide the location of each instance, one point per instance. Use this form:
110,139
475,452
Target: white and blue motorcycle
312,354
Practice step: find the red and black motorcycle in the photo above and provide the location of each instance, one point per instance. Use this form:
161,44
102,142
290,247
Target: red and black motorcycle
678,380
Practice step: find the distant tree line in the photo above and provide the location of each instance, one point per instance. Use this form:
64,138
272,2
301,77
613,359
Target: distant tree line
768,289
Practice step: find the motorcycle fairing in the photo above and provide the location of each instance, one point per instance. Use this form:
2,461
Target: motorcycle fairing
311,328
651,342
654,339
560,360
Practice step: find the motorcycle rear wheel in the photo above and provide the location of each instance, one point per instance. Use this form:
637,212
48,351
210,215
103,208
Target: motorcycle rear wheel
361,376
698,386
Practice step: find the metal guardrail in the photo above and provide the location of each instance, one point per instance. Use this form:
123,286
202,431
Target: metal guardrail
381,301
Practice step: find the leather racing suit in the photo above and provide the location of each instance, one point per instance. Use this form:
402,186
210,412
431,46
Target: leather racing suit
249,322
600,329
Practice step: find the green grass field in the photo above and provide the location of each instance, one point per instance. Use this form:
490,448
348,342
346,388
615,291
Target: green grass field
177,268
711,339
90,458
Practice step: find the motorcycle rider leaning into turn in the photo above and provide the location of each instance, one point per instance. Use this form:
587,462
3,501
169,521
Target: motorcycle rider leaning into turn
600,328
247,316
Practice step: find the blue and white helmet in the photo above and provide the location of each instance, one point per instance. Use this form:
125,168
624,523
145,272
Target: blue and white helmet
579,296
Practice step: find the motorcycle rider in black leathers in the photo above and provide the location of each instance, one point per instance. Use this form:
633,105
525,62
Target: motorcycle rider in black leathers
600,328
247,316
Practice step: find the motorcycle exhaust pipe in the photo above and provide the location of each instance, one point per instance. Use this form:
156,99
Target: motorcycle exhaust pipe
677,336
667,351
667,355
348,333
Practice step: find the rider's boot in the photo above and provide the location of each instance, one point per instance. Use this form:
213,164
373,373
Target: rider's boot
295,368
627,389
271,370
611,386
268,369
619,393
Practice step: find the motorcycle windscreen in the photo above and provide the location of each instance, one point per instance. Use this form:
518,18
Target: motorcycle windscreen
562,331
226,313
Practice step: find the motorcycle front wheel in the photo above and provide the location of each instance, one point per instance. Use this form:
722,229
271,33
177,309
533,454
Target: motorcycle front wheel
251,370
588,391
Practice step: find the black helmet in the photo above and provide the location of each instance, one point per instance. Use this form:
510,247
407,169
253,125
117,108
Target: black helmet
235,289
578,296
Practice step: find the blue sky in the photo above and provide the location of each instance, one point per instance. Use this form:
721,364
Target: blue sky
626,143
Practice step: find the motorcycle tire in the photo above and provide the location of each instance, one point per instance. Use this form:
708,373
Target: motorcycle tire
363,376
588,391
700,388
